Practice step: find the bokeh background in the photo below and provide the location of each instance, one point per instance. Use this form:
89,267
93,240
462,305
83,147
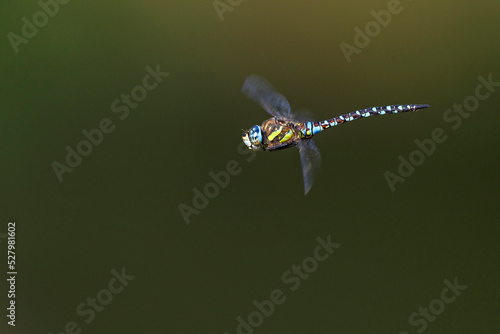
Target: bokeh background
120,207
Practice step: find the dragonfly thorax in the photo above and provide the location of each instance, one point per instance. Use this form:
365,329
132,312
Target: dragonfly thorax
273,134
253,138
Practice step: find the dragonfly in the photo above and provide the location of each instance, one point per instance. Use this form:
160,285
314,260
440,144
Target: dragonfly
295,129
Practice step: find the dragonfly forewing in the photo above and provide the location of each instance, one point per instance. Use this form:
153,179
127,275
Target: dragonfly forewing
262,92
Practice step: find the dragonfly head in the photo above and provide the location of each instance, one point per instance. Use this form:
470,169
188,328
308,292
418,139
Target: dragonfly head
253,137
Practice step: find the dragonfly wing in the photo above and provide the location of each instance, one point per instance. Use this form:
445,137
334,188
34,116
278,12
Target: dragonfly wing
311,162
262,92
302,116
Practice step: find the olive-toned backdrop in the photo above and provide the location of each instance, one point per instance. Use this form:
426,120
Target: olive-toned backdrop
118,210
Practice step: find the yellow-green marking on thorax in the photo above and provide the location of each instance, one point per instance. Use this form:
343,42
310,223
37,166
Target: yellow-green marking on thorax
274,133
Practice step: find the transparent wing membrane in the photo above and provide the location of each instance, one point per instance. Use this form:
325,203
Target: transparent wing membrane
302,116
311,162
262,92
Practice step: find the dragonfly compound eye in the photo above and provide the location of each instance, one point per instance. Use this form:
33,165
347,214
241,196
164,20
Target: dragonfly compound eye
256,135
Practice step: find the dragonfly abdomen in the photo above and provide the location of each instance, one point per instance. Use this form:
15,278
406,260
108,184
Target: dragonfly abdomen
309,129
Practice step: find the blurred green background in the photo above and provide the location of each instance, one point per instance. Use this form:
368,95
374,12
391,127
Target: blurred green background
120,206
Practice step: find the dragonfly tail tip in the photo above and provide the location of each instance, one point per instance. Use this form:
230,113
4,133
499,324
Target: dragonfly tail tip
421,106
